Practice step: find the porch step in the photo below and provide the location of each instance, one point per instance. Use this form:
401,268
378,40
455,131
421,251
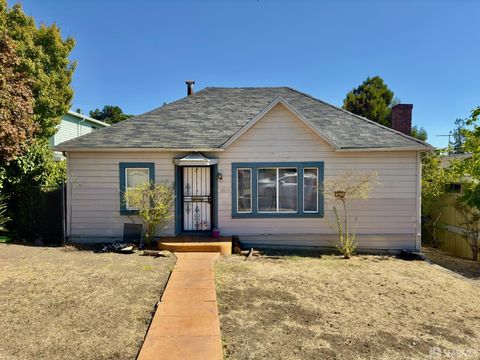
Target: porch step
223,244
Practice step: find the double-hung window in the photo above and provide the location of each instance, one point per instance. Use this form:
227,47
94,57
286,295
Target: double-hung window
277,189
131,176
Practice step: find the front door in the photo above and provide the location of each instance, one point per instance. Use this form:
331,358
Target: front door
197,199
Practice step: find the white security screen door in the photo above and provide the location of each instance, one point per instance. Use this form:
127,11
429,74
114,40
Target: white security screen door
197,199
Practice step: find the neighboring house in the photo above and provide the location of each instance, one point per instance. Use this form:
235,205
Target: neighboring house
73,125
249,161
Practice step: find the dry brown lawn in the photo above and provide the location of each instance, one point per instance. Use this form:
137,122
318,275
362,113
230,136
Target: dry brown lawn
464,267
60,303
369,307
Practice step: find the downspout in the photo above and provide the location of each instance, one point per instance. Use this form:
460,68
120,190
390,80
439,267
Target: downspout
418,237
78,126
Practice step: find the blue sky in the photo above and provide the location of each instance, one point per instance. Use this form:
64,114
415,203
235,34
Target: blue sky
137,54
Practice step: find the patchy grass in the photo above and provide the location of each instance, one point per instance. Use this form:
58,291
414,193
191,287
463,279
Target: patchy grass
60,303
369,307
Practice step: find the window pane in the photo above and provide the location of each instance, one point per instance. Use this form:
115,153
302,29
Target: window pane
244,190
136,177
310,190
133,178
267,190
287,189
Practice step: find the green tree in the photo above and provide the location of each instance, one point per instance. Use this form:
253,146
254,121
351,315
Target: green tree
44,58
372,100
154,203
419,133
458,136
471,165
437,174
16,105
110,114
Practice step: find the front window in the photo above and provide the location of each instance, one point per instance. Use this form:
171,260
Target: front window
135,177
310,190
244,190
277,189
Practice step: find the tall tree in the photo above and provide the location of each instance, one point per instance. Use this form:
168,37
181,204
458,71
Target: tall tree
372,99
419,133
458,136
16,105
44,58
110,114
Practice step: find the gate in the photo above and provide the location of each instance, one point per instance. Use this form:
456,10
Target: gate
197,199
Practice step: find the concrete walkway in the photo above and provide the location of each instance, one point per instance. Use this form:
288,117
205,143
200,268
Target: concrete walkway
186,324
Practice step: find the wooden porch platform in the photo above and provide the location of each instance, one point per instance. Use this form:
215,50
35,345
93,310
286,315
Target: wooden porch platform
222,244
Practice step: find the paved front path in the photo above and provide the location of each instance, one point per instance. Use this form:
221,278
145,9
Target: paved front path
186,324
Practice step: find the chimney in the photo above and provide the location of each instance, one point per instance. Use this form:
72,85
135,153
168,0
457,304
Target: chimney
402,118
190,84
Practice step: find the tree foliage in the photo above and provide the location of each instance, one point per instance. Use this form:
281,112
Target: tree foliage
372,100
435,177
3,212
458,136
16,104
419,133
110,114
43,56
154,203
470,166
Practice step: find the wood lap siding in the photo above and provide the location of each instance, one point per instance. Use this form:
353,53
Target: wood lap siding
95,188
388,220
281,136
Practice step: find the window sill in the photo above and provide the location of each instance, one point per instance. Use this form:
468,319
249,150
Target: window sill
128,212
276,215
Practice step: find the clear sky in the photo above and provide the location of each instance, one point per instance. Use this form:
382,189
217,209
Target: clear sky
137,54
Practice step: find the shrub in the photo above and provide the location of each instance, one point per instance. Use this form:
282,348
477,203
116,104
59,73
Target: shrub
154,203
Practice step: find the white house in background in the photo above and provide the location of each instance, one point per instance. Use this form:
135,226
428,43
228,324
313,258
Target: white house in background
73,125
249,161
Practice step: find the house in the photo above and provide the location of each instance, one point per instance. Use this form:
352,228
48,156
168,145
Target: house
73,125
249,161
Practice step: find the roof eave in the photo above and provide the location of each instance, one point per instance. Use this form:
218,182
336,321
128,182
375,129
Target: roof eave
390,148
134,149
87,118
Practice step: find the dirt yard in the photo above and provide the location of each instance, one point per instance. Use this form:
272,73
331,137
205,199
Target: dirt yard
60,303
369,307
464,267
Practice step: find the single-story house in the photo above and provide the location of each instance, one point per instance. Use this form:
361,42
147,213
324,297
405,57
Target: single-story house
248,161
73,125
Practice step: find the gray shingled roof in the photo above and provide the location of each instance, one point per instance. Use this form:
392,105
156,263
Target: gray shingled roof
208,118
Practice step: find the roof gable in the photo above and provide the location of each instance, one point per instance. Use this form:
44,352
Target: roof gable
265,111
210,118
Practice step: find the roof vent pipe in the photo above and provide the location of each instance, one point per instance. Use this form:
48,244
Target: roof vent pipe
190,84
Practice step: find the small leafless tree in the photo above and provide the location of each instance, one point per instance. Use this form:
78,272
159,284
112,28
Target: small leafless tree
351,185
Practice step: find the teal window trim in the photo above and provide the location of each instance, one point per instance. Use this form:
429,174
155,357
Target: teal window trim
300,166
122,179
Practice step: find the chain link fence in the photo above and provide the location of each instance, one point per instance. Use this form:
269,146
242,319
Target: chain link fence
39,215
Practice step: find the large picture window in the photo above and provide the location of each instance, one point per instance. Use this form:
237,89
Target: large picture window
131,176
277,189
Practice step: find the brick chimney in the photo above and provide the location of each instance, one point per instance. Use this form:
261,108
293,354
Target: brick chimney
402,118
190,84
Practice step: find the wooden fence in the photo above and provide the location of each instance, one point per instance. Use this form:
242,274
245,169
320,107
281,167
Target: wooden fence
450,230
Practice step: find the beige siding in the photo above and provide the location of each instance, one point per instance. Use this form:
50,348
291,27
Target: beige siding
94,191
389,220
